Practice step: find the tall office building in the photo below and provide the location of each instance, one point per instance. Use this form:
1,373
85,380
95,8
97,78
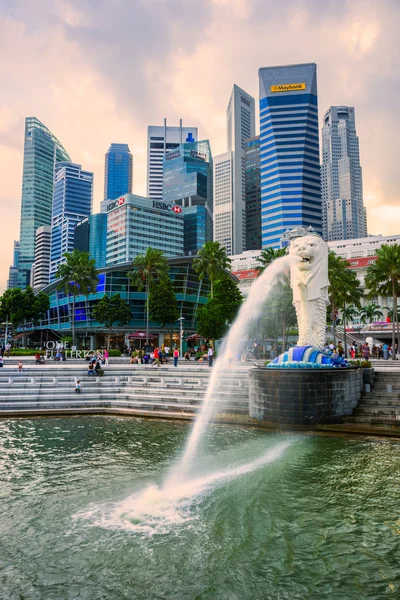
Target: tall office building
41,151
134,223
118,171
253,193
72,202
188,182
160,140
240,117
289,151
344,214
12,280
41,267
90,235
223,200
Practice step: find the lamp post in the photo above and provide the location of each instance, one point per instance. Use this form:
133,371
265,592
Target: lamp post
6,323
181,319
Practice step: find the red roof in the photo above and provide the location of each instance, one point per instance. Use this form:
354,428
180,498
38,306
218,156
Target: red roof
364,261
249,274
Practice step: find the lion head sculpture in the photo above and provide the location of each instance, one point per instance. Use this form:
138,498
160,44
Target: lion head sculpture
309,274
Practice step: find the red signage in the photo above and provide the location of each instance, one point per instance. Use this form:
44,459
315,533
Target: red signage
121,201
177,209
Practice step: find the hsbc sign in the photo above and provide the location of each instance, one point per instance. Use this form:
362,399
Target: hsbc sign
169,207
115,204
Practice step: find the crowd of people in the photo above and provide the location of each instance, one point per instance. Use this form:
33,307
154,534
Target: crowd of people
365,351
156,356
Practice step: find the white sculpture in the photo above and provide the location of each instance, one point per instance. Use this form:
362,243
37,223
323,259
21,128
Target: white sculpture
309,281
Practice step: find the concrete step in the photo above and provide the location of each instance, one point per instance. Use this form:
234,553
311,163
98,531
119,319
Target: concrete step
377,410
371,399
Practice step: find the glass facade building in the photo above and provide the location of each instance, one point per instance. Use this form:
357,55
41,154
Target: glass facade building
289,151
253,193
188,182
118,171
41,151
12,280
134,223
90,236
72,202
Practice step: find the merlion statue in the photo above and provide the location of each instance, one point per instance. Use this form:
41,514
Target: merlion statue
309,281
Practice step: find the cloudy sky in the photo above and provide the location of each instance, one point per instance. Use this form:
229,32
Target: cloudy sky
101,71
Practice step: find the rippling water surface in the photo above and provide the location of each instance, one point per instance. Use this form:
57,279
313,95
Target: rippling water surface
84,514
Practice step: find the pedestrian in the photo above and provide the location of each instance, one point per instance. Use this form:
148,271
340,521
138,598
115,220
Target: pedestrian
380,352
331,347
7,349
3,349
106,355
340,349
1,361
167,351
366,352
20,366
210,355
176,356
157,356
352,352
78,387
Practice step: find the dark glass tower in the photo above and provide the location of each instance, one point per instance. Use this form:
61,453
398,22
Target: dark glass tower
252,193
289,151
41,151
188,182
118,172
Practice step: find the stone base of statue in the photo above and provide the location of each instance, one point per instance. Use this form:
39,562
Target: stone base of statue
304,387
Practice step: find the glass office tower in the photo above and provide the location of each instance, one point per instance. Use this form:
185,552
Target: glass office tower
118,171
41,151
289,151
90,236
72,202
188,182
253,193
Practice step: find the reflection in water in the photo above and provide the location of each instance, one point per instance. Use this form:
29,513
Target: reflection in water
318,520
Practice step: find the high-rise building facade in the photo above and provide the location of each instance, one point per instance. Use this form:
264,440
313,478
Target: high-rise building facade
90,235
289,151
118,171
223,200
160,140
41,151
253,193
12,280
134,223
188,182
240,120
344,214
72,202
41,267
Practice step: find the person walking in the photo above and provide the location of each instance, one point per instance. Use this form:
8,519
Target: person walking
352,352
210,355
78,387
340,349
106,355
366,352
167,351
157,356
176,356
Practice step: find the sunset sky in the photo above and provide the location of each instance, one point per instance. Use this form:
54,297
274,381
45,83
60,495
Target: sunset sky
101,71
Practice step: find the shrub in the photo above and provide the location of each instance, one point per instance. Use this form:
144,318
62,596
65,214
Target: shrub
114,352
364,364
24,352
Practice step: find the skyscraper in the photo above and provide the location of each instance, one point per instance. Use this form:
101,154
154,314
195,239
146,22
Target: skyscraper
160,140
41,151
118,171
73,192
253,193
223,200
41,266
188,182
90,235
289,151
12,280
344,214
240,117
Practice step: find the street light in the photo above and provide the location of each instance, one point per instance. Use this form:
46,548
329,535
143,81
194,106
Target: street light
6,323
181,319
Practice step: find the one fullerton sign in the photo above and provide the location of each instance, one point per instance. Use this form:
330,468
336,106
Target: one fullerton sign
288,87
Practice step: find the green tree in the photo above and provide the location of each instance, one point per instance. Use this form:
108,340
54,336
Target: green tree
344,287
214,318
369,312
146,270
211,261
42,305
267,256
112,310
163,305
383,278
78,276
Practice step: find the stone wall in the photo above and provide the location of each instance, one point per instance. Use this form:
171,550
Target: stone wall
303,396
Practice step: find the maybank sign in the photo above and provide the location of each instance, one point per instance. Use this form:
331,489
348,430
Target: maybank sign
288,87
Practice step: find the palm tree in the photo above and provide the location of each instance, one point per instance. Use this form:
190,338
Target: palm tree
211,260
348,314
383,277
267,256
344,287
146,269
369,312
78,276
